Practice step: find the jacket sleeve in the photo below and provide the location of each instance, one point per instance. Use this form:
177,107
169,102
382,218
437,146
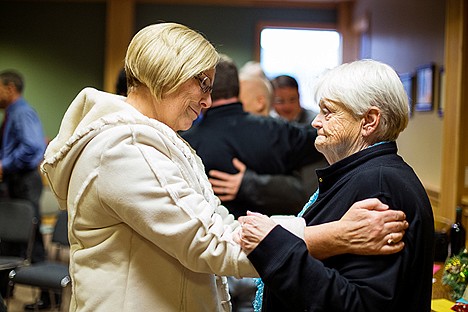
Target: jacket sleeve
280,194
305,284
155,192
26,145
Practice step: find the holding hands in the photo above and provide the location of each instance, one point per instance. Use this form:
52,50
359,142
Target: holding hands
254,227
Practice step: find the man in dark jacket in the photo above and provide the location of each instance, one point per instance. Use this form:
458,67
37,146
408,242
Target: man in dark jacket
22,146
272,150
264,153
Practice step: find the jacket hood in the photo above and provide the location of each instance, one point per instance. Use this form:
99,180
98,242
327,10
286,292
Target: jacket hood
88,115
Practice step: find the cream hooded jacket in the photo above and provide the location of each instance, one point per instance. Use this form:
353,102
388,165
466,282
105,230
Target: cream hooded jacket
146,231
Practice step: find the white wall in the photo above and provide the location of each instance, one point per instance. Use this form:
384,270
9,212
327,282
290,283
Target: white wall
406,34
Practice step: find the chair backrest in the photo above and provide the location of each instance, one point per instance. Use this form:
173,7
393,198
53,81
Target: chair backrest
60,235
17,220
18,223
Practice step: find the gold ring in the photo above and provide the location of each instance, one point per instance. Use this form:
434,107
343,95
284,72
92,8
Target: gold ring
390,241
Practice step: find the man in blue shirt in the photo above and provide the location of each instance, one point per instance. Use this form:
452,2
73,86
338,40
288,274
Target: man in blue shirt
22,146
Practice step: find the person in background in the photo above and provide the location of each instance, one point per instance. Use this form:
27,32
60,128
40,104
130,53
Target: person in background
258,145
252,69
287,106
363,109
256,94
21,151
264,148
287,102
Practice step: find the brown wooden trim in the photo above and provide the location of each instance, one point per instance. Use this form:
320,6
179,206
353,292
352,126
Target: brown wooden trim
434,195
119,31
453,157
249,3
464,200
350,40
297,25
255,3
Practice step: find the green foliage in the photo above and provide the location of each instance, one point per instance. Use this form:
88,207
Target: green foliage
456,274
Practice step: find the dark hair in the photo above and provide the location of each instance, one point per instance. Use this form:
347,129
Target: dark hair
284,81
11,76
226,83
121,85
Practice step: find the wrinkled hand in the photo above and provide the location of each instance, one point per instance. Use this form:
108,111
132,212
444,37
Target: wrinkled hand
371,228
255,226
236,235
226,185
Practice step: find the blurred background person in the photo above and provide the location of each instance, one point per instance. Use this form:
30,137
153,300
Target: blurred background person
256,94
287,106
252,68
21,151
260,150
258,145
287,101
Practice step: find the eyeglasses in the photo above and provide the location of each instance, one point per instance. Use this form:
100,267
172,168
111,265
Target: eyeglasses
205,82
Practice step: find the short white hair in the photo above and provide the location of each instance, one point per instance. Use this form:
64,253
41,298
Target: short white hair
362,84
252,68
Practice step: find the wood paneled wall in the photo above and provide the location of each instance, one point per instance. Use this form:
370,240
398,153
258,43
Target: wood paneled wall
455,156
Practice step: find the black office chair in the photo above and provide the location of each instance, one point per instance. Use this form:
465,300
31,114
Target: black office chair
51,275
17,226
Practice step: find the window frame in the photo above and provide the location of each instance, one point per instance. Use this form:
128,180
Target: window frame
290,25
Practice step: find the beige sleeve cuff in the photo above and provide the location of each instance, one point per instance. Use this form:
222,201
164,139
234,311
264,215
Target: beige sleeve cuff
295,225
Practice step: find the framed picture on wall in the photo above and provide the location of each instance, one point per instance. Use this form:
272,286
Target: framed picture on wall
425,88
407,79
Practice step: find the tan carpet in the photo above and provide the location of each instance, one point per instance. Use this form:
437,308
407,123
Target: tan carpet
22,295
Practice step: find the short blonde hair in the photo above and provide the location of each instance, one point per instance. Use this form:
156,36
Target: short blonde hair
163,56
365,83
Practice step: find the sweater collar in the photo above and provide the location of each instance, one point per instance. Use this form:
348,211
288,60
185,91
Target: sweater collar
327,177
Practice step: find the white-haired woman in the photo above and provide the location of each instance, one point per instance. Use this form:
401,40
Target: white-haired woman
146,231
363,108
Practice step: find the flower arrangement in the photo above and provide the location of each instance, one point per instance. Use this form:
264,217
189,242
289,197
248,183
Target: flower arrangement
456,274
460,307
